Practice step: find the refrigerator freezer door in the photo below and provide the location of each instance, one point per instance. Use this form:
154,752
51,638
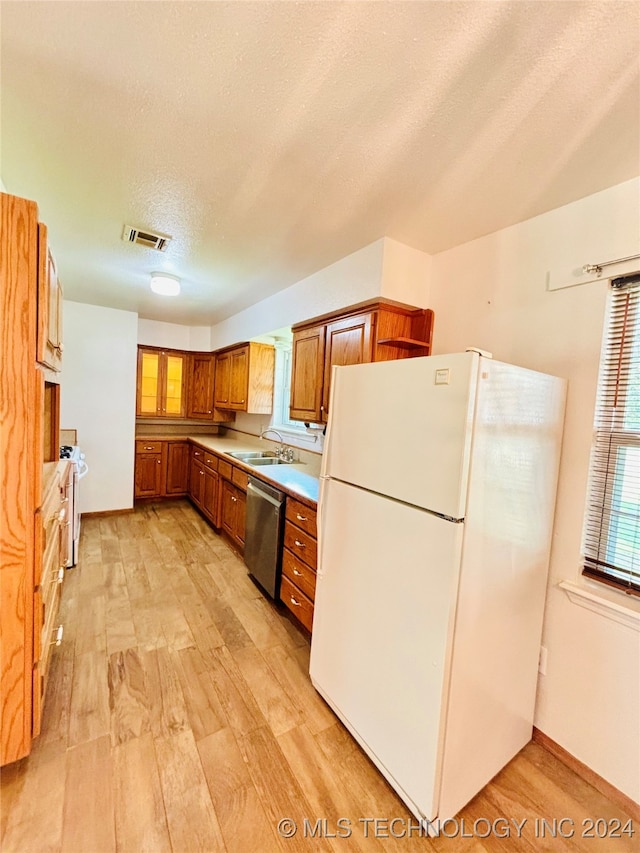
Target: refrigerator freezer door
382,631
403,429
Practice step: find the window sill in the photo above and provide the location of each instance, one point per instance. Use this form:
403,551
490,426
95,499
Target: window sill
580,595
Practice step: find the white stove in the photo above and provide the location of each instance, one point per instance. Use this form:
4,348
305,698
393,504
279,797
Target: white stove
80,470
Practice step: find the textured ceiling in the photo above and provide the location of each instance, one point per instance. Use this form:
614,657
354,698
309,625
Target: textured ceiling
272,138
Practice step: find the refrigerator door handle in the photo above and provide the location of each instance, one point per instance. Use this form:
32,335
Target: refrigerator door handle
320,528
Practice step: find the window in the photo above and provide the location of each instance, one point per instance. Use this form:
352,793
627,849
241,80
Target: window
612,530
282,391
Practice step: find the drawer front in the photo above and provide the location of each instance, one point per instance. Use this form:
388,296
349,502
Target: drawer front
240,479
301,544
297,602
299,574
149,446
302,516
211,461
224,469
53,498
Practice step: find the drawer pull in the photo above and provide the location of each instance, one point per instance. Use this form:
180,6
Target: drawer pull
301,517
196,453
61,515
150,447
58,638
58,575
299,543
234,499
297,573
65,500
294,602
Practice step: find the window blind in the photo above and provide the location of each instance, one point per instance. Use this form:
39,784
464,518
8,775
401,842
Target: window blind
612,529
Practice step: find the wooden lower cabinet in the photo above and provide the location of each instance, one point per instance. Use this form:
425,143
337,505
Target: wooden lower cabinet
161,469
177,462
51,539
149,475
204,483
210,495
299,561
233,511
196,481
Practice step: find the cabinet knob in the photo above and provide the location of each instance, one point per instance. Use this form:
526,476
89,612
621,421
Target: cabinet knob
58,575
301,517
297,573
201,473
209,412
158,461
299,543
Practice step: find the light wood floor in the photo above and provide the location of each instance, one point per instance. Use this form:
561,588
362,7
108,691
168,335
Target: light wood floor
180,716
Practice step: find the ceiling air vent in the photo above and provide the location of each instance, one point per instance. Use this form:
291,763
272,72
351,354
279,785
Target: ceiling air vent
145,238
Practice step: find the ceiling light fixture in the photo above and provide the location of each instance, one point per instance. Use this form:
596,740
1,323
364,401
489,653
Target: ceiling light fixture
165,285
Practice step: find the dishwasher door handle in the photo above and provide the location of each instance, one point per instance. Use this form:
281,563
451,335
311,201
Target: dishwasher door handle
264,495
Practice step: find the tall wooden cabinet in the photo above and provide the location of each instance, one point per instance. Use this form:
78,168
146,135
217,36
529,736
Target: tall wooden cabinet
31,498
50,344
372,331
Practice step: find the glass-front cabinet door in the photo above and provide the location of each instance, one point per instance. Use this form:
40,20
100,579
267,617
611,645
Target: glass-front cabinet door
149,396
173,405
161,384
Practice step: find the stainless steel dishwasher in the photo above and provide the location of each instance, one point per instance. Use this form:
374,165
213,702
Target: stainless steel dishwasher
263,535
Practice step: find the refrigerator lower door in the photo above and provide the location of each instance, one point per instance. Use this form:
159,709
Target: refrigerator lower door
382,631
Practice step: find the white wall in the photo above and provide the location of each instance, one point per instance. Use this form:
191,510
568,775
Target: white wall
347,282
385,268
492,293
406,274
154,333
98,398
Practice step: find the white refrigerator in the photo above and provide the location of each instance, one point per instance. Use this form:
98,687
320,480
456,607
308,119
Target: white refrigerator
436,509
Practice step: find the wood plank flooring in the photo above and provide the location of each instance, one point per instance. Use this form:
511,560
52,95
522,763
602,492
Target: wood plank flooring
180,717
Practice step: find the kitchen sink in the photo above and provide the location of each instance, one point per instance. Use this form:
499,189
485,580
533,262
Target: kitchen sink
270,460
251,455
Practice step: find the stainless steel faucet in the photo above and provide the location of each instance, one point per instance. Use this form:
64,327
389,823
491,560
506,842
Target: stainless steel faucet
279,450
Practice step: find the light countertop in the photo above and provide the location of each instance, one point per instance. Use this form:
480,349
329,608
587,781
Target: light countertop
299,479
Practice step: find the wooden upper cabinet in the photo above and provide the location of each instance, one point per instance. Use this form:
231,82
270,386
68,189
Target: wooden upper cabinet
244,378
49,349
223,380
161,383
377,330
347,341
239,382
306,374
201,384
